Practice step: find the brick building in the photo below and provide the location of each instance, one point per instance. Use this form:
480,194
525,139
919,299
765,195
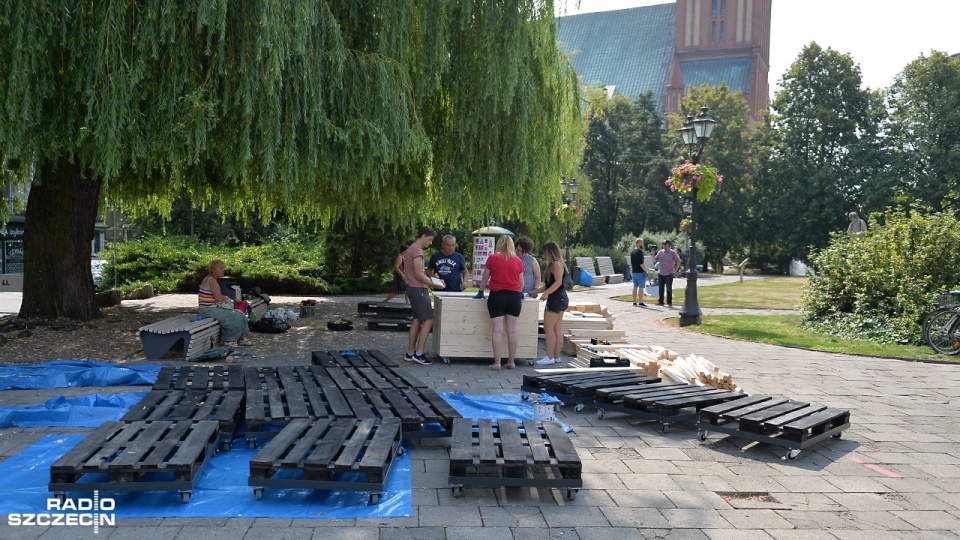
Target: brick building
667,48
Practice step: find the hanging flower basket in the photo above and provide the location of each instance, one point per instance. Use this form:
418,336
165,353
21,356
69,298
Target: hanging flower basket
684,177
566,212
686,225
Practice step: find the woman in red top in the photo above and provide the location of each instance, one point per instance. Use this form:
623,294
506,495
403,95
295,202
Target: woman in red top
504,271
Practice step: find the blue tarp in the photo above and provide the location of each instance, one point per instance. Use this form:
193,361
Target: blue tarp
495,406
84,411
220,490
70,373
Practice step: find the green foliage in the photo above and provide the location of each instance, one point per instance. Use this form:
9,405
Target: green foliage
879,286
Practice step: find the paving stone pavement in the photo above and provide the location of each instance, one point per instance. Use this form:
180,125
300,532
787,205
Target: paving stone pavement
894,474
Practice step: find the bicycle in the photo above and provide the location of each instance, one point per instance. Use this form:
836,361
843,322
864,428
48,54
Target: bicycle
941,328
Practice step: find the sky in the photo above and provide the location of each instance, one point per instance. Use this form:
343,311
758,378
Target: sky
867,30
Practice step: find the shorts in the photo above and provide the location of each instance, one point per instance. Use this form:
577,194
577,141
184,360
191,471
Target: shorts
420,303
639,279
501,303
557,302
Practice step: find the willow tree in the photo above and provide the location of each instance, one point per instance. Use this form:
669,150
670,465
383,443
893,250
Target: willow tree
441,109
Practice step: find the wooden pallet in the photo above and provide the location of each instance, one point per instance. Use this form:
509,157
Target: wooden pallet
362,358
366,377
200,378
416,408
665,402
790,424
222,406
388,324
323,449
579,386
507,453
118,456
385,310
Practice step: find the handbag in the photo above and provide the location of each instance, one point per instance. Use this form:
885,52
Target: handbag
226,304
567,281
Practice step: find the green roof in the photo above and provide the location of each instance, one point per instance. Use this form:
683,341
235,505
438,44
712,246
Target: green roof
630,49
733,71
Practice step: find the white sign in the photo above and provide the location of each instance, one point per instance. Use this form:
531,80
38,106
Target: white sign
483,247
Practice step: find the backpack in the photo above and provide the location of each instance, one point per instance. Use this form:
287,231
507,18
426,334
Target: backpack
567,281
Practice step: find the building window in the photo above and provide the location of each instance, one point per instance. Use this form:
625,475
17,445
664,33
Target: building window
723,7
723,30
713,7
713,31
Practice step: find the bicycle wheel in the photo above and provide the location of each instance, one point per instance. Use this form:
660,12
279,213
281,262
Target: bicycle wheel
942,332
929,318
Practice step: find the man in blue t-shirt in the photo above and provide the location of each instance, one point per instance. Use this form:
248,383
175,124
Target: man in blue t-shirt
450,265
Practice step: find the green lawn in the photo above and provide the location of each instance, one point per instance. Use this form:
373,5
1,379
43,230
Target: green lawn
766,293
783,330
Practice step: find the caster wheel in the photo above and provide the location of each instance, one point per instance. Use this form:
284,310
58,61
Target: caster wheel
524,395
571,494
792,454
227,446
446,360
579,407
599,413
457,491
374,498
837,435
664,427
258,493
702,435
400,451
251,443
185,496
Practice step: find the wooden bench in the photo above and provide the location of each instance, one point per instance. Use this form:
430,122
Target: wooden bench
258,307
181,331
609,273
509,453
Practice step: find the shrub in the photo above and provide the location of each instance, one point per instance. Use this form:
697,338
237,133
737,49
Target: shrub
879,286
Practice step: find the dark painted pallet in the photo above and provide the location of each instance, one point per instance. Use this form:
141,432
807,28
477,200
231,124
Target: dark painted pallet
508,453
790,424
580,387
352,358
323,450
137,456
226,407
667,403
385,310
200,378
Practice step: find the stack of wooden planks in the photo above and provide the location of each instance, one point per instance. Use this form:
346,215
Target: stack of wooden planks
588,316
660,362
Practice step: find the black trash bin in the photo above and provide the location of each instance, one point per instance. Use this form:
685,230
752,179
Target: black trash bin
226,287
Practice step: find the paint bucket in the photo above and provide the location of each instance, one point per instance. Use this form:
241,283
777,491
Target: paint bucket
544,407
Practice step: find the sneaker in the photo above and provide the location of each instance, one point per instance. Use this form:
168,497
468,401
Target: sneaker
659,303
642,304
410,357
545,361
558,360
421,358
635,304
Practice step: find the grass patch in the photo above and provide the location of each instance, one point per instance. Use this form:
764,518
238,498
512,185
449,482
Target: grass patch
766,293
788,331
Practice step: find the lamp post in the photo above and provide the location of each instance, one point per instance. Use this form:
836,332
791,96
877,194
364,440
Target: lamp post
695,132
573,186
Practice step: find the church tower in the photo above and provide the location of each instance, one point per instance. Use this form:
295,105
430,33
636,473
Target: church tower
721,41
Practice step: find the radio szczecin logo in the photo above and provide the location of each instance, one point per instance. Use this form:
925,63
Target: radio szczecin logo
79,512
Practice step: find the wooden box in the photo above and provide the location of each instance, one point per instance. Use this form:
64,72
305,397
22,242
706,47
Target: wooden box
462,327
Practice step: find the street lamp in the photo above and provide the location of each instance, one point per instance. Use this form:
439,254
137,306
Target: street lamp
573,187
695,133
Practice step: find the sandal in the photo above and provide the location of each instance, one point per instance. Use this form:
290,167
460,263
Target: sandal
511,366
245,342
231,360
494,368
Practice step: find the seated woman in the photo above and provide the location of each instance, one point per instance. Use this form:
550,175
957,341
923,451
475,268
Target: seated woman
233,323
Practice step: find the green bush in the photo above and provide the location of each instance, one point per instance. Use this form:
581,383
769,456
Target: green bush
178,264
879,286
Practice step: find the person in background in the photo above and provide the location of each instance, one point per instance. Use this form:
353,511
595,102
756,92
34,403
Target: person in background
669,265
450,265
504,271
531,268
418,292
399,285
557,301
638,270
214,304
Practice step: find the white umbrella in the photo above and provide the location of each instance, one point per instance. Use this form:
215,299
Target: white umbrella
492,229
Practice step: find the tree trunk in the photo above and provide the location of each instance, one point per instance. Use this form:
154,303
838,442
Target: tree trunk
60,220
